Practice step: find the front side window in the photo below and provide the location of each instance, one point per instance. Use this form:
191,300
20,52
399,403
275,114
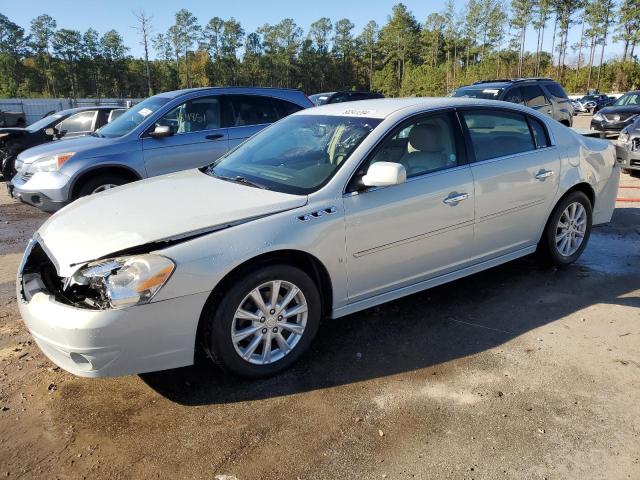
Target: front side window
533,96
79,123
497,134
556,90
514,95
251,110
285,108
193,116
296,155
423,146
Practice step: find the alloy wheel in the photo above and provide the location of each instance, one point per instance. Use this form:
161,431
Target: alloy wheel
571,229
269,322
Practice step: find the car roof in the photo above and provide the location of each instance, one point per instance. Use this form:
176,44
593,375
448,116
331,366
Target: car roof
384,107
177,93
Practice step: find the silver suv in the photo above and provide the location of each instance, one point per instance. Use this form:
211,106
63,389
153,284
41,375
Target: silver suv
542,94
165,133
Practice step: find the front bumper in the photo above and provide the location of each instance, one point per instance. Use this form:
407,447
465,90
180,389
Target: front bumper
627,157
608,127
49,191
106,343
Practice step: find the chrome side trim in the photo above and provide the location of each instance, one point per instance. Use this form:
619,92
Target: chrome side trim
415,238
515,155
430,283
510,210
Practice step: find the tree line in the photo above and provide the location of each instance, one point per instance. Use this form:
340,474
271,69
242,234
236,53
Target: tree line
404,56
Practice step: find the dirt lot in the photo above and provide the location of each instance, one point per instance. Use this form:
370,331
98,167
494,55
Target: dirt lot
519,372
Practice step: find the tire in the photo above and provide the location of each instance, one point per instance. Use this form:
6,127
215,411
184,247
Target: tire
220,318
99,183
626,170
634,173
558,252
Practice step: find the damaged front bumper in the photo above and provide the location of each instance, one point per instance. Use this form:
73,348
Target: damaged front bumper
99,343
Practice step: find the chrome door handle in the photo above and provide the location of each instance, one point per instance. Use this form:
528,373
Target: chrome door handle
454,198
542,174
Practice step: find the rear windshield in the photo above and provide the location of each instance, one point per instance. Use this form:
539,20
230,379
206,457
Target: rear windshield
478,92
556,90
44,122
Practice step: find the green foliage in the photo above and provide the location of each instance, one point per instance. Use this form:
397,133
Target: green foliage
405,56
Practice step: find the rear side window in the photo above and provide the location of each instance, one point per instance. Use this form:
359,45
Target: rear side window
539,133
533,96
285,108
556,90
251,110
497,134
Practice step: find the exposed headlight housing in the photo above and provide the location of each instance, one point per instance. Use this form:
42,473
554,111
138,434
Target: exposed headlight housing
50,163
598,117
122,282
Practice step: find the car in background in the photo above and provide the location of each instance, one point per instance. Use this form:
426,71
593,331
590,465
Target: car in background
344,96
165,133
542,94
70,123
325,213
628,148
592,103
623,112
12,119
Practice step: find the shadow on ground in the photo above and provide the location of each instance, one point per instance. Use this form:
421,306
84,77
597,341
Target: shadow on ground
428,329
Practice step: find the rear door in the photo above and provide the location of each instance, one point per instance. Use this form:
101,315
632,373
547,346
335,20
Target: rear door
515,170
246,115
197,140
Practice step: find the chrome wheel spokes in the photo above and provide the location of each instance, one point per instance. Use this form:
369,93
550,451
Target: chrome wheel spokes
571,229
269,322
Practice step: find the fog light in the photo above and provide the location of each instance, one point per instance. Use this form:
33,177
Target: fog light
81,361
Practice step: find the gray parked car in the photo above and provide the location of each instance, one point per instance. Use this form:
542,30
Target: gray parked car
628,149
542,94
165,133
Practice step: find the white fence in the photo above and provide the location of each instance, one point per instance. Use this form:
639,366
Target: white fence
35,108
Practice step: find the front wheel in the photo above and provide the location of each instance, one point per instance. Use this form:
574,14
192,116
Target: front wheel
264,322
568,229
100,184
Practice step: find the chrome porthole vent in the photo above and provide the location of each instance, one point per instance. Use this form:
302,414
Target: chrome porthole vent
317,214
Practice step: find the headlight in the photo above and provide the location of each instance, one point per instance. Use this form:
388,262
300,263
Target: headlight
598,117
51,163
124,282
624,136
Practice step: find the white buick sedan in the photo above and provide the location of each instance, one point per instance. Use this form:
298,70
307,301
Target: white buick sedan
327,212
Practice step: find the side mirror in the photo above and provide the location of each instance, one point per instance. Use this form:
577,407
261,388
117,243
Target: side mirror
161,131
383,174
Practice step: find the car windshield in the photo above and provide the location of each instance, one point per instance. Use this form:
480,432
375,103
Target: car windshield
297,155
478,92
132,118
628,99
44,122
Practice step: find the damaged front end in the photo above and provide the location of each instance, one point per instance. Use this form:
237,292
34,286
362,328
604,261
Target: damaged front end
110,283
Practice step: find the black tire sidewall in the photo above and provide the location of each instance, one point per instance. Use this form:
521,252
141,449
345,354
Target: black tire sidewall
90,185
550,230
219,317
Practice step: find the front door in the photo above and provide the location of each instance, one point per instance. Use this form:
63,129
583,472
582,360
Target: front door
198,137
516,171
403,234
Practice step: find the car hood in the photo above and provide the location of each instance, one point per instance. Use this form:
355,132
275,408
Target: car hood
622,109
12,132
77,145
158,209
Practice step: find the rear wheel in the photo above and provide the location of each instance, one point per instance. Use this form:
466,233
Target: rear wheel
264,322
100,184
568,229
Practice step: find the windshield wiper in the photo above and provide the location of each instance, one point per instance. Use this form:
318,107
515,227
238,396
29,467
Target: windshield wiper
239,179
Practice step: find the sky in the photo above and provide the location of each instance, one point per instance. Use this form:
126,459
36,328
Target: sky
104,15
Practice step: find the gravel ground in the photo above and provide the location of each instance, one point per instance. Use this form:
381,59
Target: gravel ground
519,372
